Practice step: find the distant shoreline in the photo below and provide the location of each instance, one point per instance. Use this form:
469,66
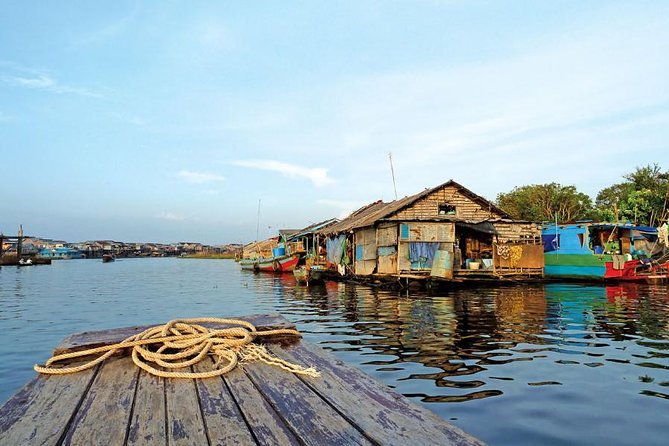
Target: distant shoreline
224,256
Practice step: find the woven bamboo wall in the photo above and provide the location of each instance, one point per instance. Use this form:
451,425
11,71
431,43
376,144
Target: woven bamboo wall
518,232
428,207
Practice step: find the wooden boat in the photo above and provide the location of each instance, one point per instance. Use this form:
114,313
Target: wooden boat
307,275
278,264
108,258
604,251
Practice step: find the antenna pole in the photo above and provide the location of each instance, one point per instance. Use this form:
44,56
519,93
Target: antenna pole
392,172
258,221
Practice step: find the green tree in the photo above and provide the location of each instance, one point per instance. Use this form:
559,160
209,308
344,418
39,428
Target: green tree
641,198
545,202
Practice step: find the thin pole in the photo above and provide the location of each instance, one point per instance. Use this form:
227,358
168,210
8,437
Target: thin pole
258,221
392,172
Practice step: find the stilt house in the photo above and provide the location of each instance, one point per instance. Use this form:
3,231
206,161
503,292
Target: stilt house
445,232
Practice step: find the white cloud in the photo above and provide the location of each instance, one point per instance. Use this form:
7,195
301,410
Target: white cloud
43,81
317,175
199,177
503,120
171,216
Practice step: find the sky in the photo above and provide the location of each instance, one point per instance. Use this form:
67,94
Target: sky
173,121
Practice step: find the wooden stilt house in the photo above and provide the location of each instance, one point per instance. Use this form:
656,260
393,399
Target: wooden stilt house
447,232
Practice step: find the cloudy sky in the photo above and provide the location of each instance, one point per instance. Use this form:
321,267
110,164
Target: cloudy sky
171,121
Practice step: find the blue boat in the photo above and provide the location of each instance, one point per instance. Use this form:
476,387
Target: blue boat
61,253
604,251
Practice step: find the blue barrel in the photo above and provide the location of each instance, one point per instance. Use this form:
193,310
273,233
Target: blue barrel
278,252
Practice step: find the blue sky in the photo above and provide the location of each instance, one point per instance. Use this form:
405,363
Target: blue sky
169,121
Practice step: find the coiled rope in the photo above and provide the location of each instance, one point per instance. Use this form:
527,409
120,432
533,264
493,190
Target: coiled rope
182,343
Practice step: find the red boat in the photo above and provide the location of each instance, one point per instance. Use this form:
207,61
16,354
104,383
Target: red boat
280,264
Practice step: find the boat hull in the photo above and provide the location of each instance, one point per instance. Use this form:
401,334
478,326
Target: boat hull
313,275
600,267
569,254
279,264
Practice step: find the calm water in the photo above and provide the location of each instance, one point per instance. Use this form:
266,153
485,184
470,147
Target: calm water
547,364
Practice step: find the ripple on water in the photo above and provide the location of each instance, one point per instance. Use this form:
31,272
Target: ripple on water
540,364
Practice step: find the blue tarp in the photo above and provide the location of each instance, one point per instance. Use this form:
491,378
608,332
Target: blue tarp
422,252
336,248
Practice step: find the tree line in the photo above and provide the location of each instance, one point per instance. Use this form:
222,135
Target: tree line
642,199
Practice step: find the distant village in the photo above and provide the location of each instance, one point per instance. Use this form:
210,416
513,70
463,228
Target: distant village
49,248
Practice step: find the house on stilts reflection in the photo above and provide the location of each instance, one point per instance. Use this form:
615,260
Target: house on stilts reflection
444,233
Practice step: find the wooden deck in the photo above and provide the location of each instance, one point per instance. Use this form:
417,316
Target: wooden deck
116,403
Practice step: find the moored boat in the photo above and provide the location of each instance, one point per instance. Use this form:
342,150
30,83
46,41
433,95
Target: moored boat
276,264
604,251
108,258
60,253
25,262
307,275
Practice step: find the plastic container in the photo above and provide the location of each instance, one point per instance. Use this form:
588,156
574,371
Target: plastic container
474,265
487,263
278,252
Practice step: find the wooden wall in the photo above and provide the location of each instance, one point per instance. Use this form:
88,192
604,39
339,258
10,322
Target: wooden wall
531,256
386,240
518,232
365,251
428,207
443,233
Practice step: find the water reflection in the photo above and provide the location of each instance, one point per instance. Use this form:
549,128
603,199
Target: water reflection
548,356
598,345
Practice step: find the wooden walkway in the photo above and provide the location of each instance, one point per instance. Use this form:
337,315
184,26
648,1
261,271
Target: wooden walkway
116,403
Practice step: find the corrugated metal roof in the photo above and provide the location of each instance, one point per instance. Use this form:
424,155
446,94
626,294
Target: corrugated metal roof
314,228
378,210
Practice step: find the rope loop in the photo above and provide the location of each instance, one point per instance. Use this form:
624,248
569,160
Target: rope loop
182,343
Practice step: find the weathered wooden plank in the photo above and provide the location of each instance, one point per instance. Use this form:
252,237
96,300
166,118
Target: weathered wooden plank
384,415
147,425
40,411
103,416
91,339
268,428
185,425
313,421
225,424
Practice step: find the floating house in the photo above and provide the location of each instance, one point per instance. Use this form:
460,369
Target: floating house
310,239
447,232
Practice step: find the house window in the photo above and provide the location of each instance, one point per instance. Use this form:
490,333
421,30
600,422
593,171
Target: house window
446,209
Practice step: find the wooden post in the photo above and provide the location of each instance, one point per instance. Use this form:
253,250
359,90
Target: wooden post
19,243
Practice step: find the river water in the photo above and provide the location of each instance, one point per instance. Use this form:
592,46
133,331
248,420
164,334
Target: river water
539,364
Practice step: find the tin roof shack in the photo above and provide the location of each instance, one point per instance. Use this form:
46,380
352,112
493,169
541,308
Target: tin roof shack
311,242
447,232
